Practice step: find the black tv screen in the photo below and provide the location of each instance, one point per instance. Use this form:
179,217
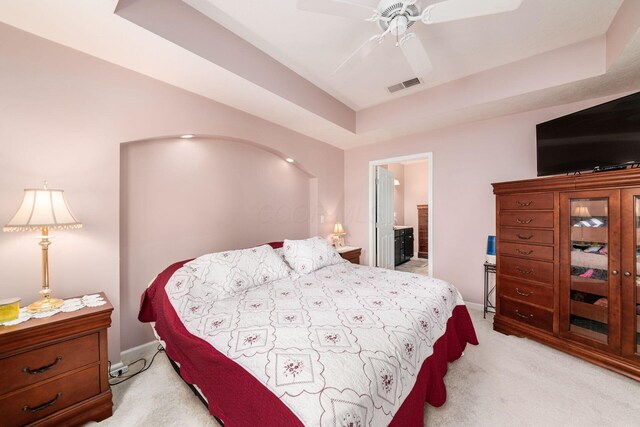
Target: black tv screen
602,136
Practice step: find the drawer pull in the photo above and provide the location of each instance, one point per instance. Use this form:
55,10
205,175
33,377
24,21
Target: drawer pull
52,402
521,237
523,271
524,204
524,294
524,316
521,252
43,369
524,221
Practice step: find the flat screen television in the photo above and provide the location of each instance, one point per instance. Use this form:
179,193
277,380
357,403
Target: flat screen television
599,137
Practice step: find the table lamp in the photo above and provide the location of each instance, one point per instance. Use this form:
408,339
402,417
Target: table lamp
583,214
41,210
338,235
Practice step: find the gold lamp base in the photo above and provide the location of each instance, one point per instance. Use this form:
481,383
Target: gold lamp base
45,304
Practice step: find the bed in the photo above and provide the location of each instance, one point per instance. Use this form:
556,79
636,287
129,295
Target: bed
341,344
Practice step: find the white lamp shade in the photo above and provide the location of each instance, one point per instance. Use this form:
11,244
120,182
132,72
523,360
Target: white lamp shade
338,229
396,182
42,208
582,211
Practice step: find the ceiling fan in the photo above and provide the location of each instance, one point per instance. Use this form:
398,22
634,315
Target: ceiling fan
395,17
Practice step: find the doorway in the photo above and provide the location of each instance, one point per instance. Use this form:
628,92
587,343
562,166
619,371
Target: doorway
401,213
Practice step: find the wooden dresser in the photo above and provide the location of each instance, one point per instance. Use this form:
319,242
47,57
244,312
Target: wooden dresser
54,371
567,265
423,231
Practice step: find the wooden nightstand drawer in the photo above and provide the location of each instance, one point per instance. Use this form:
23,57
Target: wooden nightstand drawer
48,397
46,362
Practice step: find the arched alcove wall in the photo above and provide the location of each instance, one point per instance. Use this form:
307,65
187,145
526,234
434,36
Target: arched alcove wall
182,198
65,116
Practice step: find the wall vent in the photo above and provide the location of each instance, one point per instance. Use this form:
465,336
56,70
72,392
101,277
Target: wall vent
404,85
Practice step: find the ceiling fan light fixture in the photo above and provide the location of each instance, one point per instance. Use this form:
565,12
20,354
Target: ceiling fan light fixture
391,10
399,25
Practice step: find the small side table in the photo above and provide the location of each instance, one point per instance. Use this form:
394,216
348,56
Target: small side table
55,370
350,253
488,306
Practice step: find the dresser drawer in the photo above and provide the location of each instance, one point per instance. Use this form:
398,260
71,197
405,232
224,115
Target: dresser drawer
537,271
42,363
527,235
544,253
541,219
36,402
527,201
527,314
526,292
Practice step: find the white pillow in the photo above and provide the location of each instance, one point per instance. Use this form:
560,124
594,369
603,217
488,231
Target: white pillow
231,272
306,256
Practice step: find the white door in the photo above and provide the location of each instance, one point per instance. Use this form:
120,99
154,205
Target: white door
385,254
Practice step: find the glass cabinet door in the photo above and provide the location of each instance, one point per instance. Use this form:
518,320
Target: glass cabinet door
589,265
630,234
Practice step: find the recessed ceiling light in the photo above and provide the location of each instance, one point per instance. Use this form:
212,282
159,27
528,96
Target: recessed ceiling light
187,136
289,159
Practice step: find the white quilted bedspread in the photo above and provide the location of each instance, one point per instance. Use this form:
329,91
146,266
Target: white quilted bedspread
341,345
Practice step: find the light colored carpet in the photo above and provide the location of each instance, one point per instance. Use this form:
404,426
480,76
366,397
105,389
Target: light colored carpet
505,381
415,265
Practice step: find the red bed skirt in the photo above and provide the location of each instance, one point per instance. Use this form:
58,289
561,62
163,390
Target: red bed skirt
239,399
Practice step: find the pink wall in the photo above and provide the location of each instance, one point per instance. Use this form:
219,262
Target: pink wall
416,192
466,160
63,117
184,198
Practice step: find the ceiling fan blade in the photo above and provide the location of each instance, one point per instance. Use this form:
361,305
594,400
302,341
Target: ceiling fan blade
452,10
416,54
362,52
337,7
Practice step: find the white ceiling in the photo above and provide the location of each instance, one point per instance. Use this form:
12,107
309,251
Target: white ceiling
314,44
607,64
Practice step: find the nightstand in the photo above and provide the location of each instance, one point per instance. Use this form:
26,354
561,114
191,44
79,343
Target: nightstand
55,370
350,253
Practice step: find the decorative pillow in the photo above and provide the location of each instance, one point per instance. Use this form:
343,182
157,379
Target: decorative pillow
280,252
306,256
231,272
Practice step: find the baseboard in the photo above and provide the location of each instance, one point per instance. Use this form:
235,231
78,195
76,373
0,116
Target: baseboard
139,351
474,306
134,353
